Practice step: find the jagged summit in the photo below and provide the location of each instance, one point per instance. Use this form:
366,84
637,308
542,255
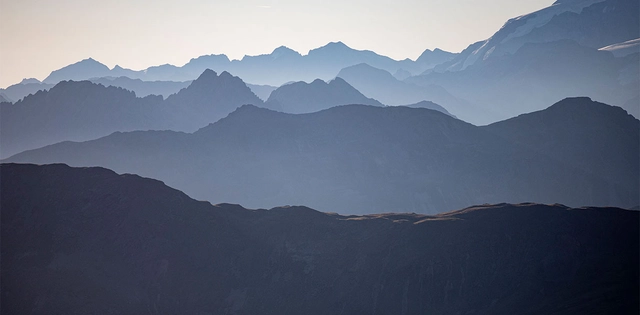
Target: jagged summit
283,51
336,45
212,96
434,57
29,81
209,58
81,70
302,97
207,76
331,47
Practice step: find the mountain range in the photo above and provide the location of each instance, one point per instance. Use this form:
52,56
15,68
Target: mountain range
440,185
281,66
538,74
84,110
87,240
571,48
590,23
18,91
381,85
365,159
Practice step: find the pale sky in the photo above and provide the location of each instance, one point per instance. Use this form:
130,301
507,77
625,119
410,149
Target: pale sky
39,36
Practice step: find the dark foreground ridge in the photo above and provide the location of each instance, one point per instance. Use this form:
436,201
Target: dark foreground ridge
87,240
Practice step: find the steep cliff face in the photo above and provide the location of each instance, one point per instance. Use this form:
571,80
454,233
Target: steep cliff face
86,240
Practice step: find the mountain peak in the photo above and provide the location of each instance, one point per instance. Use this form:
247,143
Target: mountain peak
363,69
207,75
336,45
81,70
339,81
579,106
332,47
574,100
435,56
89,60
284,50
210,57
318,82
302,97
29,80
362,66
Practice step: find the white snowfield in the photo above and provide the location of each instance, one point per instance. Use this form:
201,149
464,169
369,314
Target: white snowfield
532,21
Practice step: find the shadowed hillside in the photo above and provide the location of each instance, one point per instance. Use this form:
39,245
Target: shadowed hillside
86,240
365,159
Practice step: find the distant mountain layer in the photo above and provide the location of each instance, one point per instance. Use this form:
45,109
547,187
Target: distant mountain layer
281,66
18,91
88,240
381,85
80,111
143,88
591,23
365,159
302,97
430,105
83,110
538,74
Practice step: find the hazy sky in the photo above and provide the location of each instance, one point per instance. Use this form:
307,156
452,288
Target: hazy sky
38,36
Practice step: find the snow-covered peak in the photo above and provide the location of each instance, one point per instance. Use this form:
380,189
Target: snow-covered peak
543,16
521,26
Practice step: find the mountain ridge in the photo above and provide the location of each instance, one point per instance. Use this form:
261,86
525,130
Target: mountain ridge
302,97
361,159
84,110
318,63
89,239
